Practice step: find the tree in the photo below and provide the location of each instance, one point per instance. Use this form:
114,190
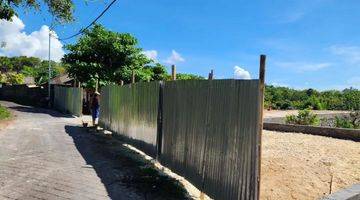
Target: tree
287,98
41,73
14,69
109,57
62,10
14,78
18,63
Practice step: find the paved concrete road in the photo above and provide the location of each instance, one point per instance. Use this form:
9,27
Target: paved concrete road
44,156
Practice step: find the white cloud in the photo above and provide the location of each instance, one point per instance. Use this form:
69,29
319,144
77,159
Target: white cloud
240,73
303,66
351,54
151,54
174,58
16,42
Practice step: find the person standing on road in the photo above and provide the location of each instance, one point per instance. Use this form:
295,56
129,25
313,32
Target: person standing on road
95,107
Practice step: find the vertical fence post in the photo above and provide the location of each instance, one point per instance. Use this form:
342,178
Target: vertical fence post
160,121
173,72
133,76
121,82
261,113
211,75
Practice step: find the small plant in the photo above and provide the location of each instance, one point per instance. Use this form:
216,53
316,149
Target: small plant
304,117
4,113
351,121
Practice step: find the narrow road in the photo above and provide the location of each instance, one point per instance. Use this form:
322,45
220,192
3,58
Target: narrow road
45,155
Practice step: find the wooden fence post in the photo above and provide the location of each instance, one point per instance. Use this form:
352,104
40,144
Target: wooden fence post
261,110
133,76
173,72
211,75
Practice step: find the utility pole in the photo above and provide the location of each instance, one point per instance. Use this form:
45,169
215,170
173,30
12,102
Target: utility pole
49,67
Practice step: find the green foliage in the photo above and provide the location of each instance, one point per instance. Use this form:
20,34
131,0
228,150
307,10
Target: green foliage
17,64
352,121
110,57
188,77
27,66
14,78
41,72
62,10
4,113
304,117
286,98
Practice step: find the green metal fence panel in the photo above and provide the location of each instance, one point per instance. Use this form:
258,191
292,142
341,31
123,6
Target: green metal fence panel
68,100
131,111
211,135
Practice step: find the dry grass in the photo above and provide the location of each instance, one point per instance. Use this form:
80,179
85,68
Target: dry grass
299,166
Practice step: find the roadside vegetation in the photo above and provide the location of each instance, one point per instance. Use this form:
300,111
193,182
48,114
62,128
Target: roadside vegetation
283,98
351,121
4,113
304,117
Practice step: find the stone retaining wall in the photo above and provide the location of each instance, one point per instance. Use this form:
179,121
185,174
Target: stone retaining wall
341,133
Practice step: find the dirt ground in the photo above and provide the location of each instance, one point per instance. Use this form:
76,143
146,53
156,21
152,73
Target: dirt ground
300,166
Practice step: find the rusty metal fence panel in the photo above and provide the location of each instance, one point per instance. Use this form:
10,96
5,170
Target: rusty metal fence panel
131,111
211,135
68,100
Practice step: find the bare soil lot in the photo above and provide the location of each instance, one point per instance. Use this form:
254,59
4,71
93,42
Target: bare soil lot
300,166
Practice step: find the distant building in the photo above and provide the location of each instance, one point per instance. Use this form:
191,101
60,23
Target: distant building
29,81
62,79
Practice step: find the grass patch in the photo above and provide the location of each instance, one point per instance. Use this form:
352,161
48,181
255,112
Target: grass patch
4,113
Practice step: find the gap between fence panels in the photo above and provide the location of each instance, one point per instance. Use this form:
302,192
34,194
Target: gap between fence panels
193,191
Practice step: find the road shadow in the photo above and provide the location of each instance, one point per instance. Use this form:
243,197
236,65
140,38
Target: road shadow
29,109
124,173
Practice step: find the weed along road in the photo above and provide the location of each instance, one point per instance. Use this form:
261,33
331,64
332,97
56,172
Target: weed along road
45,155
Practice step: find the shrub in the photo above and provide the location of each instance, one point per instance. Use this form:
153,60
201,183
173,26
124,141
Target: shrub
304,117
4,113
14,78
351,121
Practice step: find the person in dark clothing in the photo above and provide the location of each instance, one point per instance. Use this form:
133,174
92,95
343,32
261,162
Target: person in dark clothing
95,107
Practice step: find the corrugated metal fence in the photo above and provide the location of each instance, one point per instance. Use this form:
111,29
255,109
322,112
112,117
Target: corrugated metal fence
206,131
131,111
68,100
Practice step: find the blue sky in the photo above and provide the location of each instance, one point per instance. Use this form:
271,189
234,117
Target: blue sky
308,43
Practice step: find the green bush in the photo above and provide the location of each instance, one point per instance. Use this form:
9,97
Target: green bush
352,121
304,117
4,113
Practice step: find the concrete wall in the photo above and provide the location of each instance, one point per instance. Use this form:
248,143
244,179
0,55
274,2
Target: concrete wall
351,193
